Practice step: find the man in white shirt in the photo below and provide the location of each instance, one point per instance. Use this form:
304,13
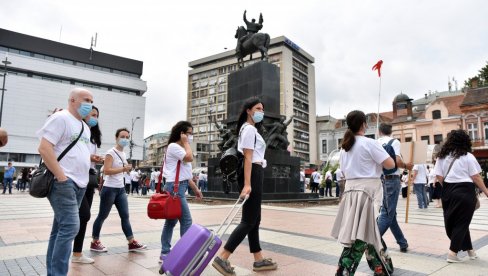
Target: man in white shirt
328,183
153,179
302,180
135,175
314,181
70,174
339,181
420,177
391,190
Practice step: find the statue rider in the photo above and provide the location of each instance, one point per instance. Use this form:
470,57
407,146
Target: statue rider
252,28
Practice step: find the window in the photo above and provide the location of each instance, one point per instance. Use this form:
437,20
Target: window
211,91
473,131
408,139
221,98
437,138
324,146
485,125
220,108
436,114
425,138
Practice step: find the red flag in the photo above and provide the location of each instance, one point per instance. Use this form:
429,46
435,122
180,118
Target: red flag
377,66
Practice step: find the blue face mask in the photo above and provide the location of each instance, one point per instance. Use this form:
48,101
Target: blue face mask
258,116
123,142
92,122
85,109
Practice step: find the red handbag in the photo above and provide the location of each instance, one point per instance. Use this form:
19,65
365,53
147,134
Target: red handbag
163,204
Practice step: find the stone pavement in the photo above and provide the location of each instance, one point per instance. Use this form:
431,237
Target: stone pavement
297,238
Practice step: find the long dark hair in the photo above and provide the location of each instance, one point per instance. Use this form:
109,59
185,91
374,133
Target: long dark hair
355,119
249,104
457,144
96,134
181,126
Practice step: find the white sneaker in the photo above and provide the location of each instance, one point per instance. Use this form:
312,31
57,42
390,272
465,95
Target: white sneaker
82,259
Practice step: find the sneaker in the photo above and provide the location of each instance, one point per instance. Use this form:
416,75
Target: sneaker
264,264
134,246
162,258
223,266
472,255
98,246
404,249
453,259
82,259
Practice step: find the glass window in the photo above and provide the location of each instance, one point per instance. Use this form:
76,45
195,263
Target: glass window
437,138
221,98
211,91
193,111
3,156
194,77
324,146
425,138
212,82
220,108
436,114
473,131
202,111
25,53
49,58
14,51
203,93
4,49
201,119
37,55
485,125
408,139
204,101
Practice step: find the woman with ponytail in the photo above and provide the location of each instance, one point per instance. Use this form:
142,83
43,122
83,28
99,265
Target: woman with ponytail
362,161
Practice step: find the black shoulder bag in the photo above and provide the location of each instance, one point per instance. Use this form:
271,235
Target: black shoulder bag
42,178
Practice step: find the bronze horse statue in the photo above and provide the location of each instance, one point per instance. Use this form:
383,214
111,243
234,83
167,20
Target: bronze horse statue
252,43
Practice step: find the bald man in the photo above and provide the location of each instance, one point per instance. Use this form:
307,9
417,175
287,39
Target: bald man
71,174
3,137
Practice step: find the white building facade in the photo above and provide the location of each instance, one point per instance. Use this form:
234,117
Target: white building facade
40,77
207,96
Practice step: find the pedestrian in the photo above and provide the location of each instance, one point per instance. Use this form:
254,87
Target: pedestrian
202,179
84,211
314,181
302,180
361,161
339,179
113,193
70,174
431,182
436,195
24,177
135,176
328,183
8,178
250,182
459,172
179,153
391,189
153,179
127,182
404,181
419,176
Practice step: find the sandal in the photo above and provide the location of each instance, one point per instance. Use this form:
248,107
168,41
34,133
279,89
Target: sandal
223,266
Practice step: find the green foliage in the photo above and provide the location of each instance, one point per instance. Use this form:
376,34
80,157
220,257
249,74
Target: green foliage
482,78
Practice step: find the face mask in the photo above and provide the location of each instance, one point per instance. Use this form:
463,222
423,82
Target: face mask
92,122
258,116
123,142
84,109
190,139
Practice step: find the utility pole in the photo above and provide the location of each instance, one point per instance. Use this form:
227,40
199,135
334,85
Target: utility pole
131,145
6,62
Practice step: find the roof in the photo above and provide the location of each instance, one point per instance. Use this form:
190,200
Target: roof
388,114
401,97
43,46
476,96
452,104
435,95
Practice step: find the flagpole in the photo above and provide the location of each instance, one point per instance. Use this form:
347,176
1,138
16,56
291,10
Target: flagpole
378,116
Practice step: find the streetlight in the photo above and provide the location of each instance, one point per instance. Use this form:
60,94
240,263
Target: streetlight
6,62
131,145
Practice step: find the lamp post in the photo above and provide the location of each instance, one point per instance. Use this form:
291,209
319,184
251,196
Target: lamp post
6,62
209,133
131,145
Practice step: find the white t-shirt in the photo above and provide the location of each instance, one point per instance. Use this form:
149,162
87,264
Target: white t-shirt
249,136
422,173
302,176
431,176
153,175
174,153
115,180
328,175
463,168
127,179
395,145
62,128
315,177
135,175
364,159
339,175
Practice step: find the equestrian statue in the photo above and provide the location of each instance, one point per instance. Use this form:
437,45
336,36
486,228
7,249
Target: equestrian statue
250,40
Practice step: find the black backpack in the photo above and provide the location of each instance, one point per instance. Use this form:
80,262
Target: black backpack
389,149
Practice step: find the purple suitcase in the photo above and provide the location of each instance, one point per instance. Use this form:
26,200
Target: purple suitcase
192,253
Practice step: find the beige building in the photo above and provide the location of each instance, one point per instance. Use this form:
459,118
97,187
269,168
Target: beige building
154,149
207,97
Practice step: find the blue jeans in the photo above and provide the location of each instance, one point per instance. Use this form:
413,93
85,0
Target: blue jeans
153,185
7,182
65,199
169,224
109,197
387,218
419,189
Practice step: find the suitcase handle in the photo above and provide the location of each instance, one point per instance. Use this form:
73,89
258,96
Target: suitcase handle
233,216
202,260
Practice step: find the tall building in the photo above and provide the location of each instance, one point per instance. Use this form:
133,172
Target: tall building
207,97
41,74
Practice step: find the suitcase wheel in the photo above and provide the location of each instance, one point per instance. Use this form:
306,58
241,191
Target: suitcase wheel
161,271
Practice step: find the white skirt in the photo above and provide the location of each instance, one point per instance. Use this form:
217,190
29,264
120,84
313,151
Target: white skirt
358,210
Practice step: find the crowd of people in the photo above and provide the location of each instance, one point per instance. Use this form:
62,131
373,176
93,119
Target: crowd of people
369,180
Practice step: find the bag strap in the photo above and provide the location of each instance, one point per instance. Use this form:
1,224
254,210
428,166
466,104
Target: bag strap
177,179
449,169
72,143
391,141
123,163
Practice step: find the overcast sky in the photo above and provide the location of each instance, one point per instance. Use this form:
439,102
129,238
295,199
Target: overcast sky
421,43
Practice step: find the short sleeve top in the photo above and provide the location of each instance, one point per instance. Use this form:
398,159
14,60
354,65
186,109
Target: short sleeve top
463,168
364,159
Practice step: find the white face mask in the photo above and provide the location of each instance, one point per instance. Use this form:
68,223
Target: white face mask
190,139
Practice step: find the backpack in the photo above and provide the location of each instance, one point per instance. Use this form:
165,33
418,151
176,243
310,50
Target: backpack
232,160
389,149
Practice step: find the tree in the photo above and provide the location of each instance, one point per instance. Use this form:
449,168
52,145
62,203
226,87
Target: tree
482,78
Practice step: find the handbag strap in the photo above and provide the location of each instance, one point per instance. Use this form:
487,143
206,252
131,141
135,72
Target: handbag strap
65,151
177,179
449,169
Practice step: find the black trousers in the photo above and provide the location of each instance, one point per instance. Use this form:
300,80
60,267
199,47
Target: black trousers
251,213
458,204
85,215
135,186
328,188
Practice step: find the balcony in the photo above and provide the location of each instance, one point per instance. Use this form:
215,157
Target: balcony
479,143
